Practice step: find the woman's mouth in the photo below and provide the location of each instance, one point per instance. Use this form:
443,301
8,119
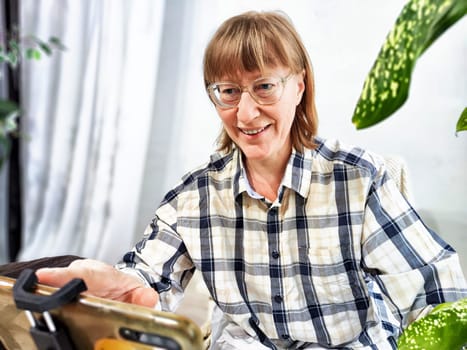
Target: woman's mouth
252,132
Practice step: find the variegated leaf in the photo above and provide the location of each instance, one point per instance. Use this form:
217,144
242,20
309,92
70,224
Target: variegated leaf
462,122
386,87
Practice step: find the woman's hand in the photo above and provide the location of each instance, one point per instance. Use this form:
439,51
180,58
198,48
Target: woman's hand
102,280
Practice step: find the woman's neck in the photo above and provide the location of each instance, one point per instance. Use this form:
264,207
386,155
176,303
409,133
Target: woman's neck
265,176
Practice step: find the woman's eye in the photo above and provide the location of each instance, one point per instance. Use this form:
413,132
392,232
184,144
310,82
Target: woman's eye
264,88
229,91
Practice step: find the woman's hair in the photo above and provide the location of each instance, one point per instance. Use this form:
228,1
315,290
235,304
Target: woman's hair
256,40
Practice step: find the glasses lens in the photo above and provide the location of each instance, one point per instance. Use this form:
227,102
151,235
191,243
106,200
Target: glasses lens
226,94
267,90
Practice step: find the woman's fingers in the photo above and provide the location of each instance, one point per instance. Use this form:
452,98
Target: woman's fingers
55,277
145,296
93,272
102,280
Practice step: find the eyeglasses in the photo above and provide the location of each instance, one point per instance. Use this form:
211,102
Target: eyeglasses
265,91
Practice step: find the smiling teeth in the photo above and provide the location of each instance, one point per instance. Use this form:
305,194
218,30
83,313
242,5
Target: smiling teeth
253,132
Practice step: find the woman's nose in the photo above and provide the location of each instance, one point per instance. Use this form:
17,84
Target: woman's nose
247,108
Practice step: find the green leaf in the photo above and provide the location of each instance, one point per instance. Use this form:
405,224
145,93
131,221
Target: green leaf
57,43
462,122
30,53
9,112
7,107
46,48
386,87
9,125
445,328
14,45
12,59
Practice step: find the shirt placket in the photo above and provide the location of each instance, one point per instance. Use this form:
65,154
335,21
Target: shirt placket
275,272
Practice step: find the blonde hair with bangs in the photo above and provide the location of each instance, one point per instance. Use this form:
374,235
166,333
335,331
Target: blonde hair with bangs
256,40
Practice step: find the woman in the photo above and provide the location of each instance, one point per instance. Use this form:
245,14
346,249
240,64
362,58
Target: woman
302,242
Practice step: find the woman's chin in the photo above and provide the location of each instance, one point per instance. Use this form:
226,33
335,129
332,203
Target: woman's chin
255,153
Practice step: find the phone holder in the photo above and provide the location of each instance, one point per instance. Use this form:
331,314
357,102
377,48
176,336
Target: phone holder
46,333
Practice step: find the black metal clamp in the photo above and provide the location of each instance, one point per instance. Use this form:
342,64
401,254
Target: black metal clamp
46,333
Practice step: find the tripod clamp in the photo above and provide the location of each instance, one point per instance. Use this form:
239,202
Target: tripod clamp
46,333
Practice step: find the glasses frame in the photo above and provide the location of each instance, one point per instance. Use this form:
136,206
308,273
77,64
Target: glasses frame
245,88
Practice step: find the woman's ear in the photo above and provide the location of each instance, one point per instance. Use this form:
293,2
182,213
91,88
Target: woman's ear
300,86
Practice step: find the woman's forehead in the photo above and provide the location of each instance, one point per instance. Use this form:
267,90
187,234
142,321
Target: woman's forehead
242,75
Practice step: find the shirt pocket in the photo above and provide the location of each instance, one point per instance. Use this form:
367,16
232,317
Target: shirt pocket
333,275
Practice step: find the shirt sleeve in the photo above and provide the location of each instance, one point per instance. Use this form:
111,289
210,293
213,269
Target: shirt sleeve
414,268
161,259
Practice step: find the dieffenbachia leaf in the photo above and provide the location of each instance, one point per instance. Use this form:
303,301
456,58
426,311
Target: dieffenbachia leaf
386,87
462,122
444,328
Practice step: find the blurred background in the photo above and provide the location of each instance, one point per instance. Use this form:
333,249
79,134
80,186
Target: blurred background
113,121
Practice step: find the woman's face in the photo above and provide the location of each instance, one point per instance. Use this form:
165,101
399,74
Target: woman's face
263,131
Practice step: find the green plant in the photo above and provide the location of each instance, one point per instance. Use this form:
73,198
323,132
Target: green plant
11,53
444,328
386,86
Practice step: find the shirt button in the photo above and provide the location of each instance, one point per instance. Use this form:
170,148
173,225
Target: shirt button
275,254
254,320
278,298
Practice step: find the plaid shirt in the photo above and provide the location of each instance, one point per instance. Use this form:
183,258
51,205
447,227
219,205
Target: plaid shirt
338,259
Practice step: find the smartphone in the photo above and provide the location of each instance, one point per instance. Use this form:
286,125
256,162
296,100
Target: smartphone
98,324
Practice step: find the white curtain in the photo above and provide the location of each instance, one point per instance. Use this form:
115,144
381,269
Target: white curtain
116,119
87,112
